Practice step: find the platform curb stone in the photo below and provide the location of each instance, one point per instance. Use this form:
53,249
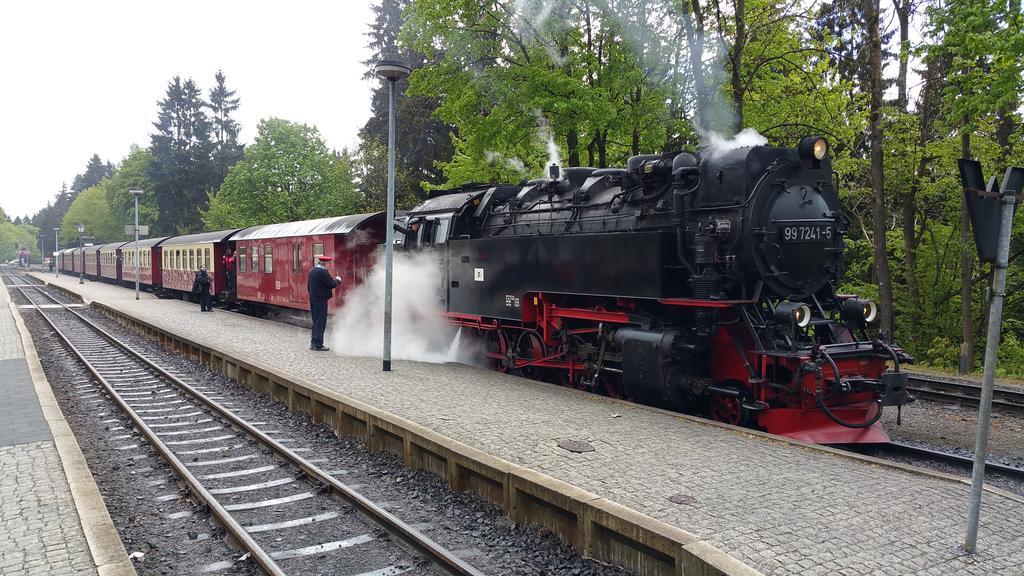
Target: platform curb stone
596,527
105,546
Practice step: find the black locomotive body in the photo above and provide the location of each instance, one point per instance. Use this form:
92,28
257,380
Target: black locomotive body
700,282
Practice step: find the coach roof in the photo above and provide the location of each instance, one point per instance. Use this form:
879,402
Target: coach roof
144,243
201,238
336,225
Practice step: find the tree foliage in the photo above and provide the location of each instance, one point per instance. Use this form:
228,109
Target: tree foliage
422,139
182,170
287,174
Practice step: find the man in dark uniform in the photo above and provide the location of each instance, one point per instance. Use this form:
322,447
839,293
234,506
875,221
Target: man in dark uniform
320,286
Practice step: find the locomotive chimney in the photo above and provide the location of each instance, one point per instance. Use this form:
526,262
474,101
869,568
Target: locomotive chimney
554,172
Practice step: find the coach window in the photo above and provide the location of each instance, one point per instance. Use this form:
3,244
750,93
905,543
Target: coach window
242,262
268,258
318,251
255,257
206,257
177,259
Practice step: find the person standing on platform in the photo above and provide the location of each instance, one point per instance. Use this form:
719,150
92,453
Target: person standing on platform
229,270
201,286
321,286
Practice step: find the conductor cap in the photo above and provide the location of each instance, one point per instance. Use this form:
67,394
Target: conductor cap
323,258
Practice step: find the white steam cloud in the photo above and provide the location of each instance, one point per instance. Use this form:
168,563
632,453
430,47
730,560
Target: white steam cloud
714,143
513,162
419,331
545,132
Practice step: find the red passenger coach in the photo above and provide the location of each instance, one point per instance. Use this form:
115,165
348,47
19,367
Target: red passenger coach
92,262
110,261
64,260
273,261
183,255
73,263
148,259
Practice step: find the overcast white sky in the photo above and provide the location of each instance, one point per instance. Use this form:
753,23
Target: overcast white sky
84,77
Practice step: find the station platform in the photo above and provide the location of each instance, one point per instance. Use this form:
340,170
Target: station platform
779,507
52,517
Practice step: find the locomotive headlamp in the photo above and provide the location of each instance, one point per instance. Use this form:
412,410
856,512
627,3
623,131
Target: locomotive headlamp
859,310
797,313
813,147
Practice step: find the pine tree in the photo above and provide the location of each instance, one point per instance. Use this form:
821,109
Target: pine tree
95,171
422,139
226,149
182,170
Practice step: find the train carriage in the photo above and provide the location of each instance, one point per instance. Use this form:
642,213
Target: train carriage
91,259
73,261
148,257
110,261
183,255
64,260
273,261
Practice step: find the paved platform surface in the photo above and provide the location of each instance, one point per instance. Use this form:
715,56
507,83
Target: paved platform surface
40,529
780,507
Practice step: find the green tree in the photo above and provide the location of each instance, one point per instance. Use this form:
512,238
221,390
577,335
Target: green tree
133,173
182,170
90,209
287,174
226,148
13,237
422,140
95,171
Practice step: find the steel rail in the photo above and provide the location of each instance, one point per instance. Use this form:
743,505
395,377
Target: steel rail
412,537
966,393
259,555
966,461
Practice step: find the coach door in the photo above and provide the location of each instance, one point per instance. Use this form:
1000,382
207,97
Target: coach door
297,273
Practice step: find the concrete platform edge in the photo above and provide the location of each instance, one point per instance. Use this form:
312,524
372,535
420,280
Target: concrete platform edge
598,528
105,546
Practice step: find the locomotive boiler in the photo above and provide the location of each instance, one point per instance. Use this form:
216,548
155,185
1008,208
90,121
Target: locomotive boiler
701,282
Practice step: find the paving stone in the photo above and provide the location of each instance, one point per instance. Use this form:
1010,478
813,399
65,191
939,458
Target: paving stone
782,509
40,532
36,495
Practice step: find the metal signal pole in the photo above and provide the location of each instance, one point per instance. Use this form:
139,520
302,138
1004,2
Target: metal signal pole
135,194
995,318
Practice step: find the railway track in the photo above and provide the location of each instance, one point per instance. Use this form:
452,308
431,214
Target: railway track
965,393
965,462
252,484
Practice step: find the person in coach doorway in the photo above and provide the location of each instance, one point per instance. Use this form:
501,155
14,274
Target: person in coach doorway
320,286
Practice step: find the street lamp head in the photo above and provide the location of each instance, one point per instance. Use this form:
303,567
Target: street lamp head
56,228
81,228
392,69
136,192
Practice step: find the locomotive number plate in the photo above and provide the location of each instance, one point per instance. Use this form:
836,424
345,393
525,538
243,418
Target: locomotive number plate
807,232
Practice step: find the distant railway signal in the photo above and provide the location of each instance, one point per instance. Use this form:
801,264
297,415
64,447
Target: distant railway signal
991,216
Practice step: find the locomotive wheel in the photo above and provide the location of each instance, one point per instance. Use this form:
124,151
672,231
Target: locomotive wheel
529,346
496,346
729,409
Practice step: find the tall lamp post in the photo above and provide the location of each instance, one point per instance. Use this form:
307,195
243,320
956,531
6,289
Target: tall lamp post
56,244
135,192
392,71
81,250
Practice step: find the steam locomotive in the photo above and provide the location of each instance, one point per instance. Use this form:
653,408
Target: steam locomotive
700,282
